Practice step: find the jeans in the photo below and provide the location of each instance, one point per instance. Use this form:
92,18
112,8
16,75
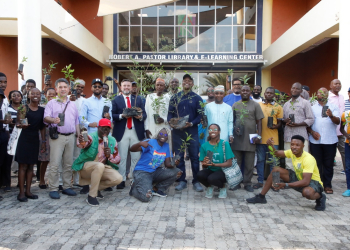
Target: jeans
324,155
143,181
261,150
212,178
193,149
347,165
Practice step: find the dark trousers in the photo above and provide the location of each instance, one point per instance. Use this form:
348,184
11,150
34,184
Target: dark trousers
5,160
347,164
193,149
211,178
324,155
249,158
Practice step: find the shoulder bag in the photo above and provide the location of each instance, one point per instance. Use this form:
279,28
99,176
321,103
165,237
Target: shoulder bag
53,129
233,174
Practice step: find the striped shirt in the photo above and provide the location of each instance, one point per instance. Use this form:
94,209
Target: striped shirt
347,105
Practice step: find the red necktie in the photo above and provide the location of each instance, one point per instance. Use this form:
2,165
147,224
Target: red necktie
129,122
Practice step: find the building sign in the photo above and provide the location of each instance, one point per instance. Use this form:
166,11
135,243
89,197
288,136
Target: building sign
187,57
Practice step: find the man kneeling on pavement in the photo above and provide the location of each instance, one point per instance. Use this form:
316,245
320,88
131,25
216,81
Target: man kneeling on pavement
306,178
97,162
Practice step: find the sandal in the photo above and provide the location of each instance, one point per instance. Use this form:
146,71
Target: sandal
258,185
328,190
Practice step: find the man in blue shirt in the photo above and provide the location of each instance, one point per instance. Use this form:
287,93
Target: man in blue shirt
186,103
236,95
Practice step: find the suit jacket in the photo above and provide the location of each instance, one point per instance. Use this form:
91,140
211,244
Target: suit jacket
118,105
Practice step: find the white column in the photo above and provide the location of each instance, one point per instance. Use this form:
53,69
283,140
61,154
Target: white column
344,47
29,40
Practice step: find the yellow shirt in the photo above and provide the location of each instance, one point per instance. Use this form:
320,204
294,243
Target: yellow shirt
346,118
278,114
304,164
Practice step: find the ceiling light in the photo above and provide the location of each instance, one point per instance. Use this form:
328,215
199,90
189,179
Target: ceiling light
229,15
142,15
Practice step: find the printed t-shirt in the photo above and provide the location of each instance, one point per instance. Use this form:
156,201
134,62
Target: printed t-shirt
218,154
266,132
346,118
304,164
152,157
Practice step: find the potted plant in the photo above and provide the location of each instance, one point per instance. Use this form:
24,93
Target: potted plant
324,100
83,129
158,105
184,144
7,116
292,107
179,122
270,117
202,112
275,161
313,99
21,65
106,108
240,118
229,72
48,71
21,115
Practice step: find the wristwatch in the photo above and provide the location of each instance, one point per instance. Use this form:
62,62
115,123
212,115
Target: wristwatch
287,186
259,137
191,124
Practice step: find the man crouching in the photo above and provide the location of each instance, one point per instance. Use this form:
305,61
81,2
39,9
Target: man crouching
306,178
96,163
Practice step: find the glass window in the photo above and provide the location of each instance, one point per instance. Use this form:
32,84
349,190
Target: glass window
238,11
123,38
149,16
166,38
192,39
207,12
206,39
166,14
250,38
192,13
237,38
149,33
250,12
124,18
135,17
180,12
223,38
135,38
223,12
180,41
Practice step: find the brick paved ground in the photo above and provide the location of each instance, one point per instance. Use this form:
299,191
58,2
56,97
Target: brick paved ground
184,220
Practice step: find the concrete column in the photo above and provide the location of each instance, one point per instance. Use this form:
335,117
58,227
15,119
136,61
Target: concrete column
267,24
108,41
29,40
265,79
344,48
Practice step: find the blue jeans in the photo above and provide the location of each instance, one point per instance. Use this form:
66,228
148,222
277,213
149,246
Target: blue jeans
261,150
347,165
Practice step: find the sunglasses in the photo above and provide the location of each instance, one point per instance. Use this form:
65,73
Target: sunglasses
211,130
97,87
166,135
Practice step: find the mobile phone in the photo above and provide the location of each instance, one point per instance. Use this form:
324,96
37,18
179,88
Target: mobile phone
210,155
105,110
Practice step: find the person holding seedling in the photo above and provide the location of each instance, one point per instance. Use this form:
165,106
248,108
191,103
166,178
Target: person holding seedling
305,178
323,137
297,116
345,129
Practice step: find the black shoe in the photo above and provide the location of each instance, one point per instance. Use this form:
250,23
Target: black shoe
187,158
92,201
249,188
43,186
108,189
32,197
99,195
236,187
121,185
1,198
85,189
60,188
24,199
257,199
321,203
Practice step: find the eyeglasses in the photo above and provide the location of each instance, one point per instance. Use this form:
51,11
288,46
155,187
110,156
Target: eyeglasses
160,133
97,86
211,130
211,90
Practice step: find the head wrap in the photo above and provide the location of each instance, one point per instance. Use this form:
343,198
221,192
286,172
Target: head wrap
160,80
220,88
80,81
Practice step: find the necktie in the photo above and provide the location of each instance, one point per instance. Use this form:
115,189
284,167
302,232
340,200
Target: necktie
129,121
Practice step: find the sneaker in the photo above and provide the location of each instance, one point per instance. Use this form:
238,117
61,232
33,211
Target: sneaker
54,195
255,172
85,189
209,192
99,195
257,199
223,193
121,185
110,189
159,193
249,188
342,172
321,203
7,189
69,192
346,193
197,187
182,185
92,201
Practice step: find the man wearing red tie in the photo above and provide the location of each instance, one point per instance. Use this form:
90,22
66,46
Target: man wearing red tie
127,130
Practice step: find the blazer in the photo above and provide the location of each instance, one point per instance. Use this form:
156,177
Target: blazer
118,105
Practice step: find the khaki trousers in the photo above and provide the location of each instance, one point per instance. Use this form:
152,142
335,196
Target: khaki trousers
289,163
61,153
129,139
99,176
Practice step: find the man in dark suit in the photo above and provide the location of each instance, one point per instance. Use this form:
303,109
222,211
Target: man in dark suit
127,130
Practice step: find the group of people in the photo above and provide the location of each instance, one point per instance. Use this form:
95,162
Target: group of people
89,142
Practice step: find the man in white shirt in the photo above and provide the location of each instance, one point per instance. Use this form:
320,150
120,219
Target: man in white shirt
256,94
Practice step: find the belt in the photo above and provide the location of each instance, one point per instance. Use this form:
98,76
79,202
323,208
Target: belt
65,134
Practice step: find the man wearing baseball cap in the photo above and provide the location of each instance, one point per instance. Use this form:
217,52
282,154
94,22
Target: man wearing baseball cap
97,162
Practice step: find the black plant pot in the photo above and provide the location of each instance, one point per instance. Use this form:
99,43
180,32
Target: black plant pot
275,178
292,118
205,121
270,122
324,110
132,111
155,117
61,116
174,159
179,123
105,110
241,130
20,67
47,77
